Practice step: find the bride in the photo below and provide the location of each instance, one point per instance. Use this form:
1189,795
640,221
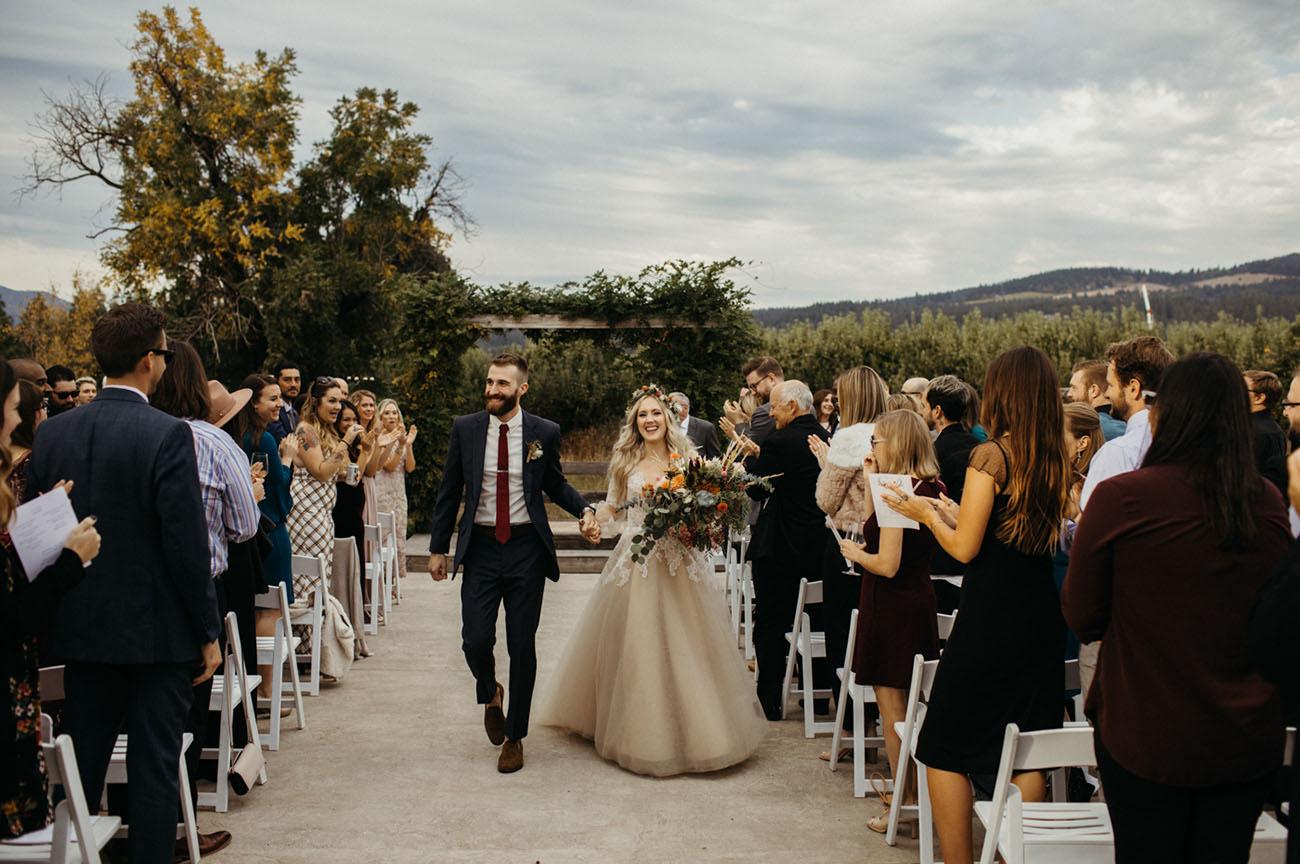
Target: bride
651,673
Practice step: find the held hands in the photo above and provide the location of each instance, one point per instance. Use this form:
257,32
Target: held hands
438,567
589,527
84,540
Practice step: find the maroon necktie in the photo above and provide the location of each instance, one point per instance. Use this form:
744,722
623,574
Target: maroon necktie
503,484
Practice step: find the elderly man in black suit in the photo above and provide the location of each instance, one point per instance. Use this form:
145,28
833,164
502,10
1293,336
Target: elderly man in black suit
141,629
504,541
702,433
791,524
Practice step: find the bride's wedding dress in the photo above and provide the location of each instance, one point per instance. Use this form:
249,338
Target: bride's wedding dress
651,673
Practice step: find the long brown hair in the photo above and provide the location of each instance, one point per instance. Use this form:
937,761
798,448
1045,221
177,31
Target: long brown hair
1022,408
247,423
862,393
310,416
1083,420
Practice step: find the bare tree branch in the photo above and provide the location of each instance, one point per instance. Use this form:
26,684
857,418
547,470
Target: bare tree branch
76,137
444,200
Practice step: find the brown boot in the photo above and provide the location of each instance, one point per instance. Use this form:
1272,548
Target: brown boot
512,757
494,719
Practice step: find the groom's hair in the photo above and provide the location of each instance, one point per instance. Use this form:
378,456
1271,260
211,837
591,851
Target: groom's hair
509,358
764,366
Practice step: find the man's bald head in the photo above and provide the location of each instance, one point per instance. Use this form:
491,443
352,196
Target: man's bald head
29,370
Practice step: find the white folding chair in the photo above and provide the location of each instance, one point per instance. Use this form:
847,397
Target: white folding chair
310,614
51,688
374,576
859,695
946,623
232,688
805,646
388,555
918,694
76,837
1015,828
278,652
747,607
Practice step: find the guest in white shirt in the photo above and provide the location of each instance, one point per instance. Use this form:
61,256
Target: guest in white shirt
1133,373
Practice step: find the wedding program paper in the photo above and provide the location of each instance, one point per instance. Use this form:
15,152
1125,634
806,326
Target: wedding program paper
885,515
39,529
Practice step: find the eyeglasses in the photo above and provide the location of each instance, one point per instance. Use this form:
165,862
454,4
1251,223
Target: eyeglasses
165,353
1289,404
875,440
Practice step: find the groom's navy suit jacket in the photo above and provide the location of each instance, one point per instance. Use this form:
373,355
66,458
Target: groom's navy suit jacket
462,479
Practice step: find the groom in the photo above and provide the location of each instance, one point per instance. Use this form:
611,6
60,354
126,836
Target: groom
499,462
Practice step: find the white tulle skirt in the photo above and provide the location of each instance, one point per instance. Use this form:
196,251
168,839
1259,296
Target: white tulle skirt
652,676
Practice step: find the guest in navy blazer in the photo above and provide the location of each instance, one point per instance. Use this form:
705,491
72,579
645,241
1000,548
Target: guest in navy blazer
140,630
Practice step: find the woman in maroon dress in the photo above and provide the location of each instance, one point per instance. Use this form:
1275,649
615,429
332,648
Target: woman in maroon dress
896,610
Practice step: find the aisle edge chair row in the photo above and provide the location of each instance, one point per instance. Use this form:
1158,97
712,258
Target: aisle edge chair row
230,689
279,652
805,647
311,613
51,688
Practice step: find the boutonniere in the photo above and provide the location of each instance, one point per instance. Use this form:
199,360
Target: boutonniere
534,450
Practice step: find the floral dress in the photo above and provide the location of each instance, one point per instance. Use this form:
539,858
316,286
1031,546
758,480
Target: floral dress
24,608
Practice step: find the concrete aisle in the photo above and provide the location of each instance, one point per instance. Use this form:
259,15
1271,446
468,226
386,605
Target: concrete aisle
394,767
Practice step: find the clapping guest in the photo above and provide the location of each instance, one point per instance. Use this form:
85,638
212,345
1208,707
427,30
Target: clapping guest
390,482
262,410
842,495
366,408
320,459
87,390
827,409
897,615
1264,390
1185,541
1002,663
349,507
789,526
141,631
25,607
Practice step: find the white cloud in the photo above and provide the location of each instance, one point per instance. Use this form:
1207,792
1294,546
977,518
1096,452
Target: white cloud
849,150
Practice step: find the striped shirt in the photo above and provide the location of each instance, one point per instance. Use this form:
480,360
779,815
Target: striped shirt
227,487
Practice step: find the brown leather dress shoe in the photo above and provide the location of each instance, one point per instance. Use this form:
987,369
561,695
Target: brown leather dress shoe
209,844
494,719
511,758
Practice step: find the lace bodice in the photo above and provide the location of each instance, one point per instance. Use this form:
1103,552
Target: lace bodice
668,552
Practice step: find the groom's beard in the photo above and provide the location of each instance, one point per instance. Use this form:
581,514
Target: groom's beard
501,405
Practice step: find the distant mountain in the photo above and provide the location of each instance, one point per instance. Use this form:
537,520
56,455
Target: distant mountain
1270,287
16,301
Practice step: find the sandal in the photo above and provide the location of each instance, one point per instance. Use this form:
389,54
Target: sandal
879,823
845,754
881,789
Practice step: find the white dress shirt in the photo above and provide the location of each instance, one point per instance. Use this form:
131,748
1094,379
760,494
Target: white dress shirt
686,426
486,514
1119,456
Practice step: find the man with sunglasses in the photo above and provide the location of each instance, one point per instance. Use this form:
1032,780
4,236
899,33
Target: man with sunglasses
140,631
62,388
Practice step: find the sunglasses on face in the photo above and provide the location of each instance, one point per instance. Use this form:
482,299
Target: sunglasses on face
165,353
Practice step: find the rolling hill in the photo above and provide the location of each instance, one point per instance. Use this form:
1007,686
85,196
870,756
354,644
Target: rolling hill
1270,287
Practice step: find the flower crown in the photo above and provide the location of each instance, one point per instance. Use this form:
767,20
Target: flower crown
648,390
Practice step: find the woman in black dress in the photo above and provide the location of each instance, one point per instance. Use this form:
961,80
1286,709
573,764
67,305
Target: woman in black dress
896,610
1002,663
350,503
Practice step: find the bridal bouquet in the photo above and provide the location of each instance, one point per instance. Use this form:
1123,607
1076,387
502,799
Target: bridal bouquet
698,504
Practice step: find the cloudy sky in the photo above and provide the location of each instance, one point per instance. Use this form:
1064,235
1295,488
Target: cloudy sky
848,149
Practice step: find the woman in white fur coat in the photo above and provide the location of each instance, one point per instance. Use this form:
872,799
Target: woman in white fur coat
843,495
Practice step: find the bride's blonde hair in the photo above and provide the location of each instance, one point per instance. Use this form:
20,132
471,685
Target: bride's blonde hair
629,449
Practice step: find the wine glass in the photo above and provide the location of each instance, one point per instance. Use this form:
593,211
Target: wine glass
854,535
262,459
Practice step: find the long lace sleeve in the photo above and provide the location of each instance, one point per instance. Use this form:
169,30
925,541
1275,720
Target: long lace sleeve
615,498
